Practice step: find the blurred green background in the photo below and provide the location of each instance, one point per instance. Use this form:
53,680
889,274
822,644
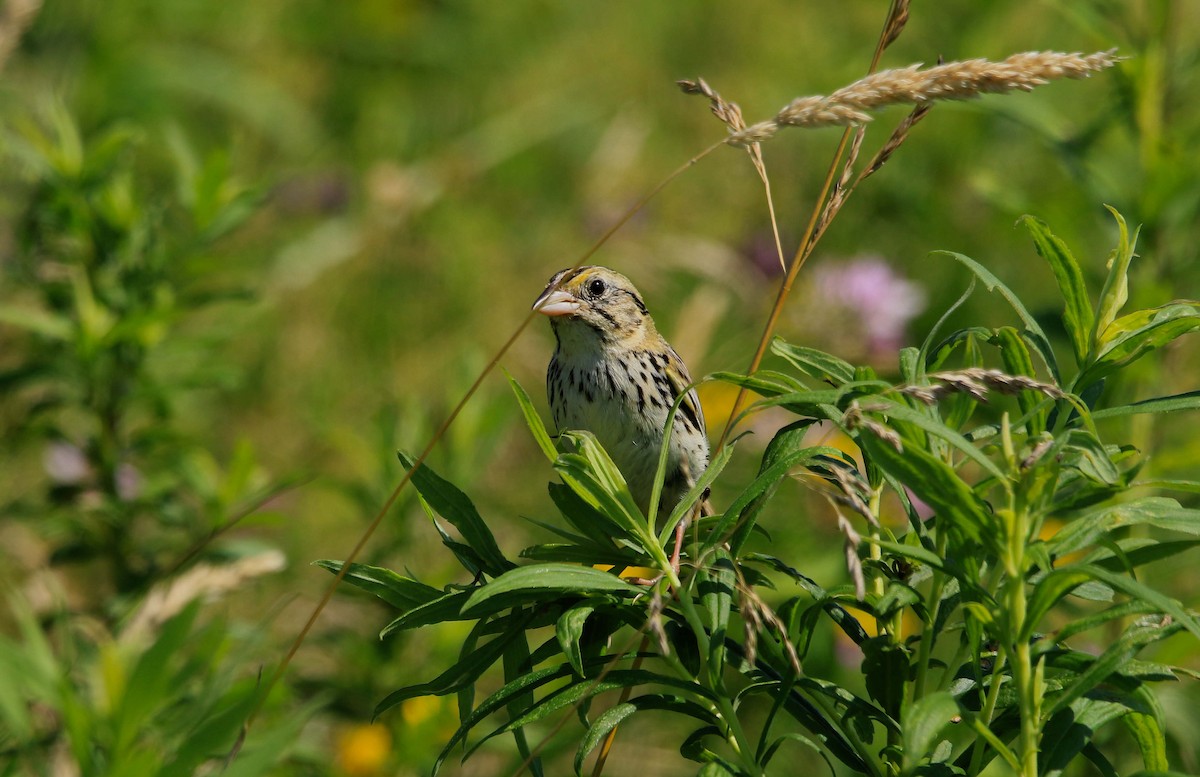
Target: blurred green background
411,174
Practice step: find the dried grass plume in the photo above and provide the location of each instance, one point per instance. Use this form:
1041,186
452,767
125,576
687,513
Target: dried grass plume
852,105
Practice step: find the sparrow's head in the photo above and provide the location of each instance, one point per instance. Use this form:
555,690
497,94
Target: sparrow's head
598,299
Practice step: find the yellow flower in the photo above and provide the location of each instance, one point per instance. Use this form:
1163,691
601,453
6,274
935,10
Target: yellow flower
364,751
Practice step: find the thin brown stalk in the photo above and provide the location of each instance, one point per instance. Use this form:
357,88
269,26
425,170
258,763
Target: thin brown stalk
897,17
897,138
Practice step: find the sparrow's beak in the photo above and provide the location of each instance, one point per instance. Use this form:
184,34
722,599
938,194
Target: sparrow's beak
556,303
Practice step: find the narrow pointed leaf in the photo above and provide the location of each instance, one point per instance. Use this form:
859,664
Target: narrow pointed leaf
397,590
447,608
569,631
814,363
453,505
463,673
1077,313
1116,286
1033,330
612,717
532,419
1016,359
1152,510
545,581
1132,336
1187,401
939,486
592,475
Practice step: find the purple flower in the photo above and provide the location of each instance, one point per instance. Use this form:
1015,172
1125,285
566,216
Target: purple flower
65,463
882,301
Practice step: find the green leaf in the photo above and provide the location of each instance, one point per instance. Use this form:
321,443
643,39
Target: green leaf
1014,354
838,614
1157,511
814,363
517,664
895,410
453,505
922,723
397,590
587,520
1115,612
538,582
586,554
1081,450
1116,285
930,357
1147,731
1172,404
215,730
498,700
1071,731
1149,552
266,745
1077,313
39,321
715,585
937,484
914,552
1136,590
570,695
793,736
532,419
694,749
620,712
807,402
569,631
1132,336
767,383
447,608
688,502
469,667
1048,591
1033,330
150,682
782,455
591,474
885,669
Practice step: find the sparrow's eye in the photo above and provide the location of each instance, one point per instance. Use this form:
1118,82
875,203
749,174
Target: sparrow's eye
596,287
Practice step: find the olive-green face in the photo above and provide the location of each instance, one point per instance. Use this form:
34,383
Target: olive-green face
599,298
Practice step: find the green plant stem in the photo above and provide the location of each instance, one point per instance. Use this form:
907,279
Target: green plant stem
928,636
989,708
879,583
785,688
1016,522
738,741
1022,670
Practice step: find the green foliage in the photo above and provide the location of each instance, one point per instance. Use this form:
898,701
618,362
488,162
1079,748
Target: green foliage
152,702
1026,540
106,278
110,268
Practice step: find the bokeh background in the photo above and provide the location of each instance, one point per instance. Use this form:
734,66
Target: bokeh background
408,174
